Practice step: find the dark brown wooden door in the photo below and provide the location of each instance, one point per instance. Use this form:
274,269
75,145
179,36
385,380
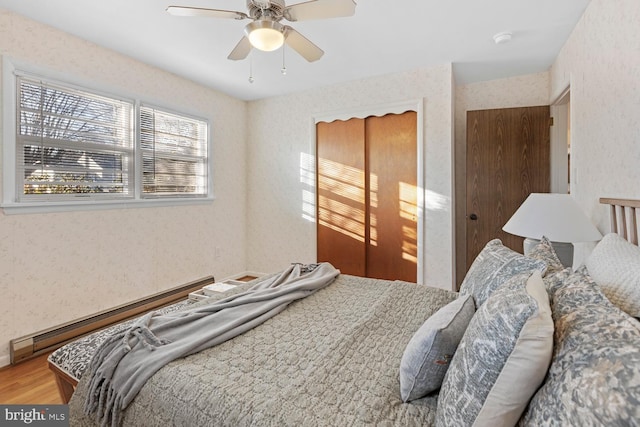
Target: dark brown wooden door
367,196
507,159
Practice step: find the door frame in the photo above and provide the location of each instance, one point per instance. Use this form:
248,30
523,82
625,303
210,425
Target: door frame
379,110
560,140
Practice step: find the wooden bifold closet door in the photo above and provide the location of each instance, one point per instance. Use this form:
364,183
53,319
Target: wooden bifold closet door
367,196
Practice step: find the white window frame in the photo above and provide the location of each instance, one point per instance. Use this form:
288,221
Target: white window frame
127,150
140,168
11,204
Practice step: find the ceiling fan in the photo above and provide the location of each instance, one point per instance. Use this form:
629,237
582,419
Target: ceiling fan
265,32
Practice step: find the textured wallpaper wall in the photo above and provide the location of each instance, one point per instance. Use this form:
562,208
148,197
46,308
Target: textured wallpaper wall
601,64
281,158
56,267
522,91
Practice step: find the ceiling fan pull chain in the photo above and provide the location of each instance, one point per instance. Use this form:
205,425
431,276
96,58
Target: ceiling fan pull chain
251,79
283,70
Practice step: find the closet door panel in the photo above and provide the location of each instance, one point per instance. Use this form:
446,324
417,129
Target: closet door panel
341,200
391,153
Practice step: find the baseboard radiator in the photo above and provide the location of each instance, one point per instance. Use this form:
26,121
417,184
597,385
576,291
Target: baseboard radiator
33,345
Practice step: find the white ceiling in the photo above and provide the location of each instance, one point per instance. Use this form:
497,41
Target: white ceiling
383,37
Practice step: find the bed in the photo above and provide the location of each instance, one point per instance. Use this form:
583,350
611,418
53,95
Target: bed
335,357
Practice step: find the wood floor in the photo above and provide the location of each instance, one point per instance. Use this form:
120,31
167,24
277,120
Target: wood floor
29,382
32,382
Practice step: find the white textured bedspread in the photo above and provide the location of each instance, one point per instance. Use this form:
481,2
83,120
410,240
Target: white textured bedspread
331,359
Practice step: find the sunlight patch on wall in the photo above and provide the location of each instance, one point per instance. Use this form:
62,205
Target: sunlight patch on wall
308,169
308,205
435,201
308,181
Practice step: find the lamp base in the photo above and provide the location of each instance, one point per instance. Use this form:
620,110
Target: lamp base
563,250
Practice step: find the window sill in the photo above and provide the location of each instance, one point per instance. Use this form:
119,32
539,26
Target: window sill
70,206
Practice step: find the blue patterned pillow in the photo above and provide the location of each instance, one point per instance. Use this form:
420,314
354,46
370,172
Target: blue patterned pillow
594,377
427,356
544,251
494,266
502,358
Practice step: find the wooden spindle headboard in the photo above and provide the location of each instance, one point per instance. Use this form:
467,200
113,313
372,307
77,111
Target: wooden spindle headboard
624,219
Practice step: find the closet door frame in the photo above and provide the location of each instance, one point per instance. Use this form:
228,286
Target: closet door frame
379,110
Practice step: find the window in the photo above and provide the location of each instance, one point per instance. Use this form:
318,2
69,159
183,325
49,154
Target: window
174,154
77,147
71,143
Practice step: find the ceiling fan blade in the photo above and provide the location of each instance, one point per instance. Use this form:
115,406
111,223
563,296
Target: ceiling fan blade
319,9
302,45
241,51
212,13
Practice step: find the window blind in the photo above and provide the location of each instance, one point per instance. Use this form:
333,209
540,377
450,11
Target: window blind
71,143
174,154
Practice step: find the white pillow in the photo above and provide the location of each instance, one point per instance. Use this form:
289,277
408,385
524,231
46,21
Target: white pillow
427,356
502,359
614,265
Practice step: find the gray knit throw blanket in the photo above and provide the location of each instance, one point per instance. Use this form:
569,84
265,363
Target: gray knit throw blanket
124,362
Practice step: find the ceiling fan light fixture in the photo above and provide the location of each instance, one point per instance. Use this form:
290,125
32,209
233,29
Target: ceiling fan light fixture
265,35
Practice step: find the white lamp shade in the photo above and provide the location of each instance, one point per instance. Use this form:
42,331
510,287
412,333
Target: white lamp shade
556,216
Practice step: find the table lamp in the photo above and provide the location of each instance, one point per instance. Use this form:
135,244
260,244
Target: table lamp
556,216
